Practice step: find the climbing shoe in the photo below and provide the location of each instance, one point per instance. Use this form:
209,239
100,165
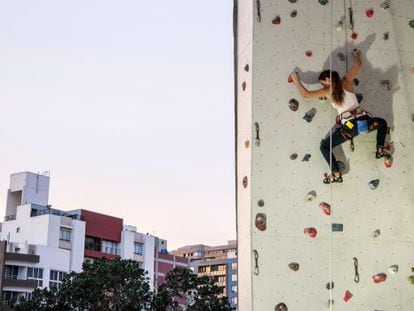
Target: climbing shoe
332,179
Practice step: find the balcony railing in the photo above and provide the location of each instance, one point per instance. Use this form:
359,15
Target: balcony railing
9,217
52,211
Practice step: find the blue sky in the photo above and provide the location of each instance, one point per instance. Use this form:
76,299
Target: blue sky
129,105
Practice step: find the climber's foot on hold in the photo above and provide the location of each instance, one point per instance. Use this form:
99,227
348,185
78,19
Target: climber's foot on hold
380,153
335,177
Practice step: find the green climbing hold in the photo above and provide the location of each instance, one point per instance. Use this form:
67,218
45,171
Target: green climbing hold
323,2
410,279
411,23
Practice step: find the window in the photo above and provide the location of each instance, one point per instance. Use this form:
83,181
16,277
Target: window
202,269
234,266
234,277
56,278
234,288
93,244
65,234
11,272
109,247
234,300
35,274
17,229
138,248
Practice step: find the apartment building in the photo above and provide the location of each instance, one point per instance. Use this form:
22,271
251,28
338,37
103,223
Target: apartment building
218,262
41,244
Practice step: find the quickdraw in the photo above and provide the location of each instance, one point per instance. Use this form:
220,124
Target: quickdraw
356,278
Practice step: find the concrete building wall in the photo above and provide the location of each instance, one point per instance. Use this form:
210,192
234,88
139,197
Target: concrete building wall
376,224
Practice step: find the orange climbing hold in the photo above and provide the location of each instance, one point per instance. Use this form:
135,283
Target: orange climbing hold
379,278
312,232
326,208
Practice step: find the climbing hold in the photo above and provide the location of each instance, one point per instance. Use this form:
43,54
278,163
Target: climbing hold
386,84
323,2
293,156
277,20
388,160
356,82
244,84
260,203
411,23
330,285
330,302
292,1
359,97
294,266
311,196
306,157
410,280
247,144
385,36
261,221
354,36
257,138
340,26
293,104
308,53
348,295
393,269
341,56
379,278
312,232
309,115
369,12
294,13
376,234
337,227
290,80
326,208
373,184
245,182
281,307
246,68
385,5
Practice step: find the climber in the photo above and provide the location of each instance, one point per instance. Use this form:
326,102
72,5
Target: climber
351,119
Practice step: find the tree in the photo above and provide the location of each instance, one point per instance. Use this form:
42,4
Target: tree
102,285
183,290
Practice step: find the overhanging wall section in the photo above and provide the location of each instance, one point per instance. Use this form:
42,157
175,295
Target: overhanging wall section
376,224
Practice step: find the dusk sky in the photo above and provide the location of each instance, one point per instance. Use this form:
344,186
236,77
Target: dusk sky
129,105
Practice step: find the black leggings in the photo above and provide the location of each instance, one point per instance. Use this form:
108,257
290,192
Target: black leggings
338,139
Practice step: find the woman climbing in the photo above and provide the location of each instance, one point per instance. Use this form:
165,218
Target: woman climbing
351,119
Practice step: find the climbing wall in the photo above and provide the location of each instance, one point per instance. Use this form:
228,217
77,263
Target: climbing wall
304,245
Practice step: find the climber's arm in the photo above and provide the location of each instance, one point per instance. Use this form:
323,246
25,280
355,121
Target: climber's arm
350,76
323,92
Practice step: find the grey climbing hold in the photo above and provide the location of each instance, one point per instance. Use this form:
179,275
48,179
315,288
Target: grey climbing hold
337,227
245,182
340,26
393,269
373,184
385,36
311,196
293,156
306,157
294,13
385,5
294,266
359,97
309,115
292,1
341,56
281,307
261,221
386,84
323,2
330,302
293,104
356,82
260,203
330,285
376,234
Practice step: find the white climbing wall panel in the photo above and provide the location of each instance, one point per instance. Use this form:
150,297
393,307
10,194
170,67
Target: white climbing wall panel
281,267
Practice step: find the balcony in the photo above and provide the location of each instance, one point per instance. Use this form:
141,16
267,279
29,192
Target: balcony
22,257
14,282
9,217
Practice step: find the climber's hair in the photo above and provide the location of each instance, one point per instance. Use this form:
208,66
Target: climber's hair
338,93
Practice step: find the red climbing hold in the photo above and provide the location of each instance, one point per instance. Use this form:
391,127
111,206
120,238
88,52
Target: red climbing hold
290,79
379,278
326,208
276,20
311,232
348,296
308,53
369,12
388,161
244,84
354,36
